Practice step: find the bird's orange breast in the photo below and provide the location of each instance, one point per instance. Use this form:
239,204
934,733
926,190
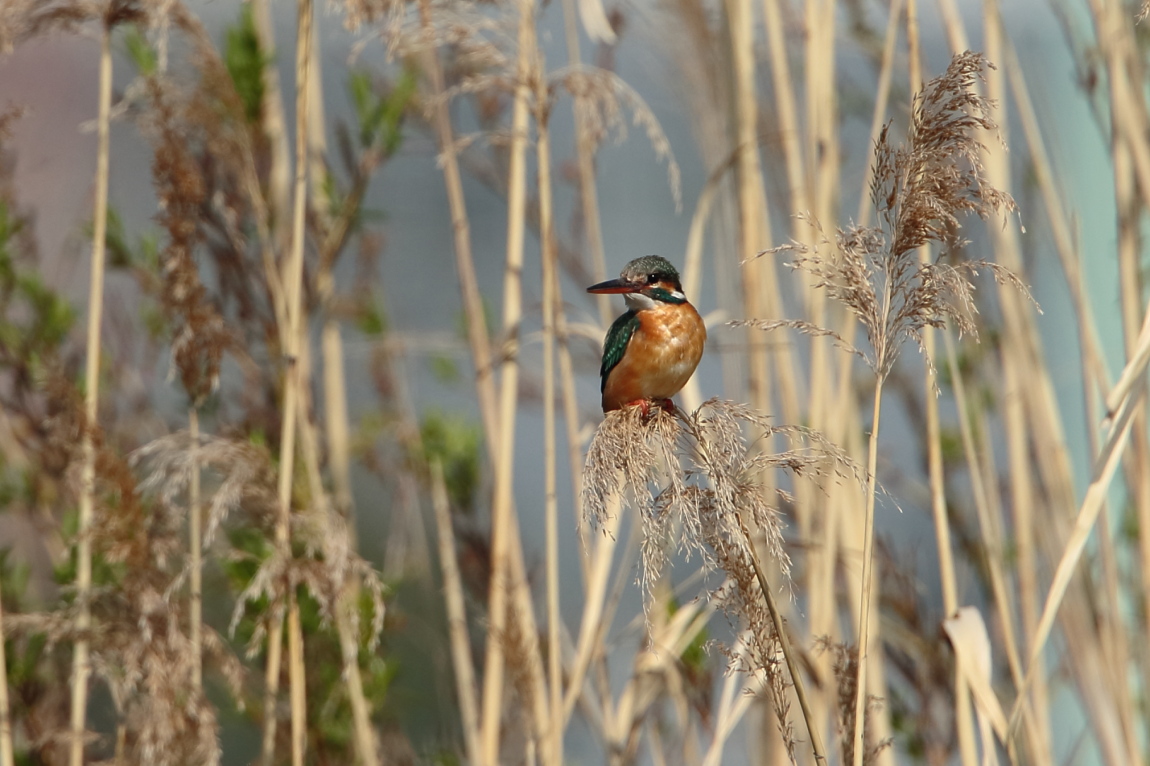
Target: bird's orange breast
660,358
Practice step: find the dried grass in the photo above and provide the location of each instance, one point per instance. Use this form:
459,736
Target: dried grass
695,480
921,190
697,485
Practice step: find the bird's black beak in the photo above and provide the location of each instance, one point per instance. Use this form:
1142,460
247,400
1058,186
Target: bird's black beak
613,286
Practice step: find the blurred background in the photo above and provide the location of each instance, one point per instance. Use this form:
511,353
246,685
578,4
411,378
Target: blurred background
690,129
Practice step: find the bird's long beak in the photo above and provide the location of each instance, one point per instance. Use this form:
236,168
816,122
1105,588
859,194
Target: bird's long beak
612,286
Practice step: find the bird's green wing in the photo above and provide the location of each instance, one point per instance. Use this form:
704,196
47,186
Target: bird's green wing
617,338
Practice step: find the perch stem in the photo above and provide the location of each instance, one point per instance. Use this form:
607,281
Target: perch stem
784,643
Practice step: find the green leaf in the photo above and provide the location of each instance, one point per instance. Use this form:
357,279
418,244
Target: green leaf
245,61
139,51
371,320
455,443
380,118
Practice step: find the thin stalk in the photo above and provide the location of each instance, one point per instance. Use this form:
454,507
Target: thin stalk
1130,206
551,510
592,623
1094,369
753,228
365,744
461,229
1017,387
786,111
502,517
987,508
585,155
963,718
81,662
785,644
592,230
867,574
5,715
296,680
195,545
1103,471
571,418
271,688
274,127
964,721
589,202
349,648
465,686
335,403
291,338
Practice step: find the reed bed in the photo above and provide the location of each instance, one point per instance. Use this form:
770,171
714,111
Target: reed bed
748,587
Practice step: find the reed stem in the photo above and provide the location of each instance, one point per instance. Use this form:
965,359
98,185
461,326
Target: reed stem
502,514
81,662
785,645
867,575
551,509
6,750
291,337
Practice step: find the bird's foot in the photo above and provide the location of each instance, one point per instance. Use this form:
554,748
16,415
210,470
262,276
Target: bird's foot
645,406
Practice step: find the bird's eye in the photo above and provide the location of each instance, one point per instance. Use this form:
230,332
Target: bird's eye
652,278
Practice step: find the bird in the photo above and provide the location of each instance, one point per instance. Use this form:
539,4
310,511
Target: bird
652,350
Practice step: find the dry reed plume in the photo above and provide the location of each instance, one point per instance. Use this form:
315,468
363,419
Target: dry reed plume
920,191
696,483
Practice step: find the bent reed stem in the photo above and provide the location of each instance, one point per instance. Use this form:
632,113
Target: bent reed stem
785,644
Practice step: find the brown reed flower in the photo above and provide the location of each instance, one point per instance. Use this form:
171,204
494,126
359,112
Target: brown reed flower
697,482
921,190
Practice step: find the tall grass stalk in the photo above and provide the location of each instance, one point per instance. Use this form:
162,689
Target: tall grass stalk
964,721
813,728
465,685
979,462
477,332
867,577
1105,464
594,622
6,751
336,228
81,662
1094,378
502,514
550,502
585,159
1094,372
785,106
593,238
292,337
347,602
1112,628
754,221
1129,155
274,124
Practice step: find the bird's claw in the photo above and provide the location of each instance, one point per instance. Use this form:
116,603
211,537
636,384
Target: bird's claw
645,405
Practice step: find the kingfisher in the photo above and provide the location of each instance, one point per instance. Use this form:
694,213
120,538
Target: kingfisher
652,350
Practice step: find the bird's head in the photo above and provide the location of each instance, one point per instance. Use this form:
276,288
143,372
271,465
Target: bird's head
645,283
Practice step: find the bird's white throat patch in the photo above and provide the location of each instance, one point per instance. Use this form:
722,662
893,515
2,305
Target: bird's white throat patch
639,301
